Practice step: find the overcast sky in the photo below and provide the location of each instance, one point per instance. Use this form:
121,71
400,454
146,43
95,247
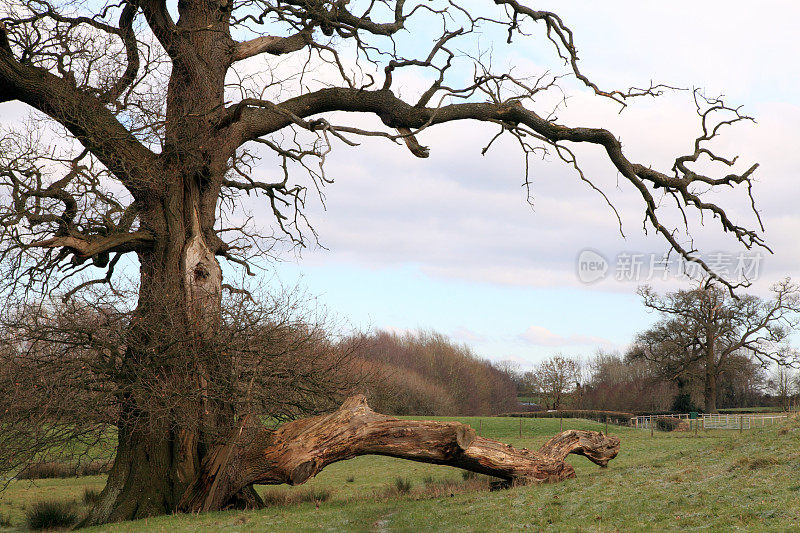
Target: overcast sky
449,243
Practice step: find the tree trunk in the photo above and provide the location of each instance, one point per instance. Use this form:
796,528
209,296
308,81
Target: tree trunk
710,393
173,405
710,385
298,450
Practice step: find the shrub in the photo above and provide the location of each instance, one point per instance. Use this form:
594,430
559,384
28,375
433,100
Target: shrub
438,488
94,468
755,463
279,498
402,485
683,403
58,469
468,474
51,515
318,495
762,462
91,496
616,417
445,488
275,498
47,470
667,423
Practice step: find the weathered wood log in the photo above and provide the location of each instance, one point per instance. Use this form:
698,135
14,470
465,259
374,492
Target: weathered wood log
298,450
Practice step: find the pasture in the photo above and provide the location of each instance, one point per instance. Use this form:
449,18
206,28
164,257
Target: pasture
717,481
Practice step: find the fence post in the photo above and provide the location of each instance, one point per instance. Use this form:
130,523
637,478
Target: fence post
606,426
651,427
696,424
741,423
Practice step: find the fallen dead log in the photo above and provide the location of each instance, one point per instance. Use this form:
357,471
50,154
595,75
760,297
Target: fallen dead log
298,450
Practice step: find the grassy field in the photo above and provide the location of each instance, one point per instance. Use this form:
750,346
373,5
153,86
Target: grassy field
719,481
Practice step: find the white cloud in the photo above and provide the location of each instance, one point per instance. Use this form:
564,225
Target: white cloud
466,335
401,332
461,215
544,337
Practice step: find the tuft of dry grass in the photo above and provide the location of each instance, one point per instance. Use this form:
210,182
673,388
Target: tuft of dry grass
447,488
754,463
762,462
281,498
432,488
91,496
51,515
402,485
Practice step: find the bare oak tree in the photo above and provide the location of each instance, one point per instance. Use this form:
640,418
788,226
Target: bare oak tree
782,383
553,378
701,331
161,111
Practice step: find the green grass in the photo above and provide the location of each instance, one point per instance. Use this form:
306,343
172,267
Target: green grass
719,481
21,496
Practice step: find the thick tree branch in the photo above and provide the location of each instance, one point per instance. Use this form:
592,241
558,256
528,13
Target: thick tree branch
268,44
299,450
83,115
253,118
131,52
332,16
161,23
6,91
118,242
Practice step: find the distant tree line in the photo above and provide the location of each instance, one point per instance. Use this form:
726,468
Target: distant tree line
425,373
708,349
616,381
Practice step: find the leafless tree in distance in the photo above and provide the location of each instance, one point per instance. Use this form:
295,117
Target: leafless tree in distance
553,378
701,331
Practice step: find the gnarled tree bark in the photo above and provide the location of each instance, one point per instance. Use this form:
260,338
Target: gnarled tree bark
299,450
